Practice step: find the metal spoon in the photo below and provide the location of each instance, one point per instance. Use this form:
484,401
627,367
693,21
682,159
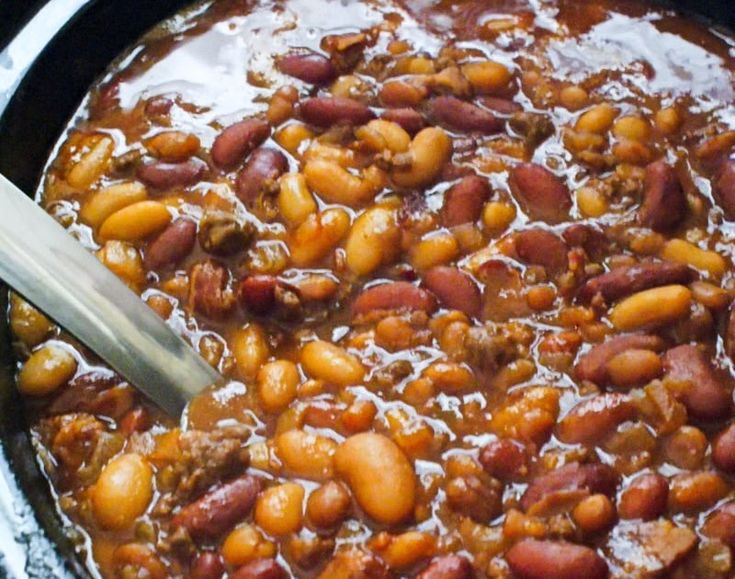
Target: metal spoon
41,261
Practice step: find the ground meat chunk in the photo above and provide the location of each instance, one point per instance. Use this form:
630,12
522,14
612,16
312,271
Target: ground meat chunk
488,349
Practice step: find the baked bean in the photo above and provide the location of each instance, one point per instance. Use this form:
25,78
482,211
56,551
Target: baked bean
109,200
710,295
680,251
539,407
281,106
408,119
124,260
448,567
592,202
594,514
486,76
543,195
434,250
573,98
463,201
497,216
686,448
331,363
592,478
373,240
330,111
260,173
591,420
533,559
135,222
277,383
723,449
292,137
251,350
397,93
632,127
668,120
306,455
454,289
696,491
664,202
207,565
721,524
407,549
461,116
47,370
278,510
28,324
394,296
504,459
244,544
163,175
295,201
652,308
383,134
92,163
122,492
173,145
317,236
172,245
328,506
260,569
634,368
645,497
599,119
379,475
430,150
237,141
629,279
309,66
336,185
140,560
541,247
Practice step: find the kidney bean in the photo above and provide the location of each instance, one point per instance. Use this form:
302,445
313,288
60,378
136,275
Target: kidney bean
645,497
543,195
504,459
209,293
592,419
257,293
707,397
260,569
724,188
207,565
534,559
721,524
237,141
328,111
172,245
630,279
463,201
394,296
219,509
595,478
308,66
500,105
593,365
664,202
459,115
260,173
541,247
163,175
448,567
455,289
723,449
410,120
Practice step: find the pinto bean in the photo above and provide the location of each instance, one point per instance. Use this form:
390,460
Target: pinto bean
448,567
394,296
595,478
593,365
721,524
237,141
455,289
664,202
209,293
410,120
260,173
163,175
463,201
260,569
543,195
504,459
459,115
308,66
723,449
207,565
534,559
219,509
724,188
328,111
541,247
172,245
630,279
592,419
706,396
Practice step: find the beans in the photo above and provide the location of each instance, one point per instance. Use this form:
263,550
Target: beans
497,216
595,478
250,349
219,509
435,249
594,514
448,567
430,150
592,419
331,363
173,145
379,475
543,195
634,368
573,98
652,308
317,235
122,492
209,292
328,506
278,510
245,544
397,93
136,222
645,497
373,241
162,175
593,365
724,188
407,549
698,491
704,395
410,120
455,289
463,201
685,448
337,185
277,383
329,111
723,449
47,370
92,163
110,200
533,559
260,173
487,77
461,116
237,141
527,415
310,67
680,251
140,560
295,201
632,127
123,259
306,455
721,524
207,565
172,245
709,295
626,280
257,293
664,202
541,247
28,324
383,135
393,296
597,120
504,459
260,569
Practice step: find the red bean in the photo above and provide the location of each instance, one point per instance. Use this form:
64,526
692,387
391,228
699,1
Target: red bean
664,202
723,449
163,175
721,524
595,478
260,173
461,116
219,509
172,245
630,279
448,567
533,559
593,419
500,105
207,565
260,569
463,201
328,111
257,293
707,397
308,66
541,247
505,459
209,292
410,120
645,498
455,289
543,195
593,365
589,238
237,141
724,188
394,296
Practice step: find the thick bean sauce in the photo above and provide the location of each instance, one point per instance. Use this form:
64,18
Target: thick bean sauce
467,269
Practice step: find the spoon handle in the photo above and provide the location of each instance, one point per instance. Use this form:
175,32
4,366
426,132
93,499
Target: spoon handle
40,260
